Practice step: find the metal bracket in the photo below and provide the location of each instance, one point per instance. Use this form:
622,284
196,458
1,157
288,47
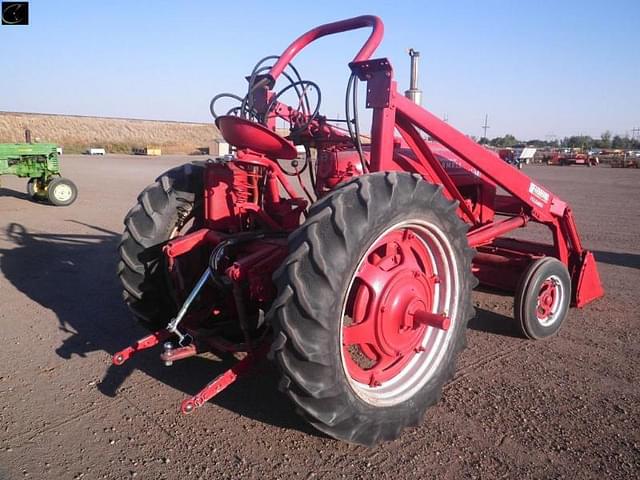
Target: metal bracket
378,74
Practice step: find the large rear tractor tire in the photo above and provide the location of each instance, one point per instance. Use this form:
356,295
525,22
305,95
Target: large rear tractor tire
162,210
372,307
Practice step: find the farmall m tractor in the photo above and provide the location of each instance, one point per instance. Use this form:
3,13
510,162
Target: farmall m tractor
359,288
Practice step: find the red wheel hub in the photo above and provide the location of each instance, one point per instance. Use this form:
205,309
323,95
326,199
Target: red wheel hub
546,299
389,306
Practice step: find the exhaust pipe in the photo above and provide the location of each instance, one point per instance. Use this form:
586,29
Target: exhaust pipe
414,93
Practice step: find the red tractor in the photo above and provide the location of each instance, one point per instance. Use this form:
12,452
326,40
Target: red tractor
359,287
569,157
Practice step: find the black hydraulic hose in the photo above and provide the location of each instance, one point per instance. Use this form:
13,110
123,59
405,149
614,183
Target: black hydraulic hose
308,83
347,106
294,173
348,101
237,291
258,69
218,252
242,237
218,97
246,103
304,189
252,79
312,174
356,125
299,79
301,95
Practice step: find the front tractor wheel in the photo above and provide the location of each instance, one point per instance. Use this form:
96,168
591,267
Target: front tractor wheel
373,305
61,192
541,302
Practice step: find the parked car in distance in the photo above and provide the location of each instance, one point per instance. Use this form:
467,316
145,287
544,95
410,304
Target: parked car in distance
96,151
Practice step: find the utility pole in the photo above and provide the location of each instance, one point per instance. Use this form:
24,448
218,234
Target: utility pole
486,125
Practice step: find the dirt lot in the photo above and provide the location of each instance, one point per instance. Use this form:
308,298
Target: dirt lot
564,408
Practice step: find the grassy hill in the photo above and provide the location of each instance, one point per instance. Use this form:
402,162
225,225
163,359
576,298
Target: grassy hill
76,133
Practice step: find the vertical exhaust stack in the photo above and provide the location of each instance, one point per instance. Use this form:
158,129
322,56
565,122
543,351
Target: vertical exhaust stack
414,93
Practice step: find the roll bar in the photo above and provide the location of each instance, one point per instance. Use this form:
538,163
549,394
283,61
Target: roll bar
329,29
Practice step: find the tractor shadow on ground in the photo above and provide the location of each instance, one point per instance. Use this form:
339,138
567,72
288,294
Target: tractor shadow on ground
619,259
74,275
490,321
494,323
8,192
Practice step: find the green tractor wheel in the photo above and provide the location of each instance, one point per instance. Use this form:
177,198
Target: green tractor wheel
61,192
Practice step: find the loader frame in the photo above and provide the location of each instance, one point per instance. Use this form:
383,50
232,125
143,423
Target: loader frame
524,200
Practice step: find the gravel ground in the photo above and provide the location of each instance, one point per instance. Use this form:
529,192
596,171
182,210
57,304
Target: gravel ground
564,408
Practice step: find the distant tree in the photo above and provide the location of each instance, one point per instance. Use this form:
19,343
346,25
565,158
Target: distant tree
552,143
578,141
624,142
536,143
605,140
483,141
507,141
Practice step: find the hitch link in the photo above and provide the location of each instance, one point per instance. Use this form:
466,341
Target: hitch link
147,342
173,324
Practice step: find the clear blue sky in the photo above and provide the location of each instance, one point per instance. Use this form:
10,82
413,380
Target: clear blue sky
536,68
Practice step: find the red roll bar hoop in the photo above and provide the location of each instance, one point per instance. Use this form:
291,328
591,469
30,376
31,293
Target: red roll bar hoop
329,29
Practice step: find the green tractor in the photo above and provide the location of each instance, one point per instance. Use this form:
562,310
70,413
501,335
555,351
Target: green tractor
39,163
